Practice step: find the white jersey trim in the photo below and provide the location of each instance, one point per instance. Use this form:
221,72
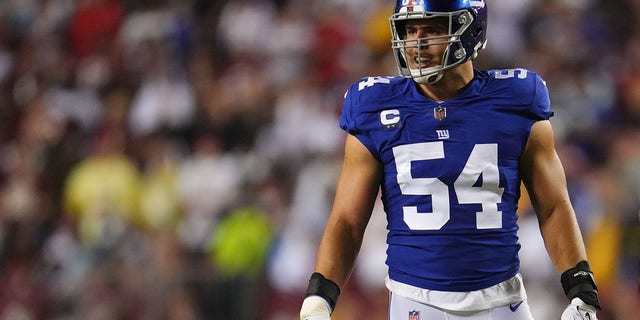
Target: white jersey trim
506,292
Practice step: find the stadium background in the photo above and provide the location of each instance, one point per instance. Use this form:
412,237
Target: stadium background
175,159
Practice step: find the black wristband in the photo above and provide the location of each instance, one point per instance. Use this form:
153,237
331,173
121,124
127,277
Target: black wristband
578,282
323,287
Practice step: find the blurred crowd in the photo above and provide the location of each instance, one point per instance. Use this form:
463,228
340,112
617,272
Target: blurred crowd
175,159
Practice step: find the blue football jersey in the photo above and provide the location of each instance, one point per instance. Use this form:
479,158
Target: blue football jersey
451,183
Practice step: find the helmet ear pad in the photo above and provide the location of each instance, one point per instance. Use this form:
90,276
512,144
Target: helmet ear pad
472,40
476,38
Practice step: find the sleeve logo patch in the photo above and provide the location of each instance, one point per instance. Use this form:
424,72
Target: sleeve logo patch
390,118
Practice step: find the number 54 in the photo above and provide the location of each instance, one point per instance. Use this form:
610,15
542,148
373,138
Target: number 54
483,160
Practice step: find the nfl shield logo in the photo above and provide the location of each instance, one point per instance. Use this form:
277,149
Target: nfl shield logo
440,112
414,315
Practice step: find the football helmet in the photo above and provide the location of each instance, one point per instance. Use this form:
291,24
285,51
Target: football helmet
467,34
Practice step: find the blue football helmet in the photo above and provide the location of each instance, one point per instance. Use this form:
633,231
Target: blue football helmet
467,34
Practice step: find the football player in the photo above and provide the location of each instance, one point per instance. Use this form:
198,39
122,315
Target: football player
449,146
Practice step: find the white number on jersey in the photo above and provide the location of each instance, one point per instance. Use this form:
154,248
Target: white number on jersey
510,73
371,81
483,161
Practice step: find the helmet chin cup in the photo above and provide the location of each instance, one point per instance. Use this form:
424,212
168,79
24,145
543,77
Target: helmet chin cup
427,75
430,79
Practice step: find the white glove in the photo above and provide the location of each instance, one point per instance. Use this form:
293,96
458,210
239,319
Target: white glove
315,308
578,310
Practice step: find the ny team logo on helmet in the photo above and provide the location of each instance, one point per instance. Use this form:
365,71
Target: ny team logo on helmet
467,34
